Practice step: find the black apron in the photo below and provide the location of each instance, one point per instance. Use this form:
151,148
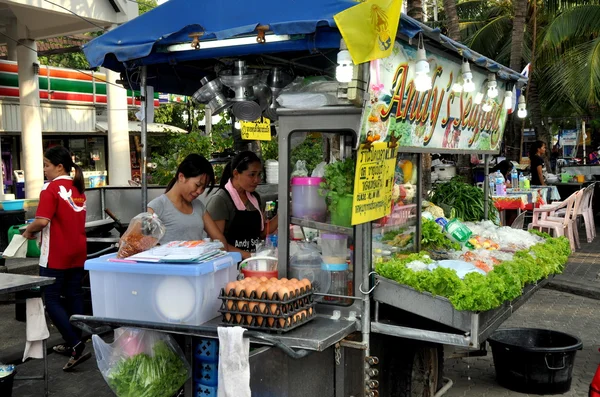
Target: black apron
244,229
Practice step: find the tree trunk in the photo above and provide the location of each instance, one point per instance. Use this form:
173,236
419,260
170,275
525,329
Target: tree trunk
415,9
513,130
452,19
535,111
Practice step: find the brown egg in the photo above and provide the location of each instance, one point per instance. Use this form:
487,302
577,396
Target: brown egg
252,306
270,321
259,320
260,290
284,321
229,304
294,280
248,320
242,306
230,286
249,278
262,307
263,279
297,317
238,289
310,311
284,293
227,317
238,318
284,279
249,289
273,279
272,291
273,309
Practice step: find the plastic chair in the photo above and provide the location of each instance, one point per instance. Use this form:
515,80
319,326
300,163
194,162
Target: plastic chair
587,214
519,221
545,218
571,215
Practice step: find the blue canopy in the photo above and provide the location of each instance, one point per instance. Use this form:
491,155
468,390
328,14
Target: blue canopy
309,24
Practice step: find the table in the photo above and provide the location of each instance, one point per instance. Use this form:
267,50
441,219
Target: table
17,282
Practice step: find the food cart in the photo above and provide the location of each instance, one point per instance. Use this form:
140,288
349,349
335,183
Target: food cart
380,338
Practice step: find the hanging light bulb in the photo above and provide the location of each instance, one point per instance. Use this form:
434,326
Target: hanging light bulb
469,85
508,100
478,98
492,86
522,112
487,106
422,79
237,125
457,86
345,67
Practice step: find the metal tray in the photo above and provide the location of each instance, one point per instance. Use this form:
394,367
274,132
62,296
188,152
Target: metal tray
472,328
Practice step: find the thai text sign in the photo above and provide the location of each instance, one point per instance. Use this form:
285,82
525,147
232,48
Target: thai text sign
373,182
258,130
437,120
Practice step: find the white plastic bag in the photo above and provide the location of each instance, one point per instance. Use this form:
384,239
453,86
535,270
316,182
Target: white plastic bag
319,171
141,363
300,169
144,232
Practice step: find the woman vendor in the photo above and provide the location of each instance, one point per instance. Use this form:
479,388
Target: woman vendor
184,217
236,207
536,151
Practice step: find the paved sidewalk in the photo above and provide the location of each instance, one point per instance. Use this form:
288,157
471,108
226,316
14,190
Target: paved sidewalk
582,274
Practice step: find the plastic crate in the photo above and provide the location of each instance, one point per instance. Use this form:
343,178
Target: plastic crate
159,292
206,373
201,390
207,350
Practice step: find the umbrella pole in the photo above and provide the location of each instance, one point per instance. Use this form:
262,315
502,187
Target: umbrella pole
144,138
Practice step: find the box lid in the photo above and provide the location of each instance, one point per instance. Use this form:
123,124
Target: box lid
109,263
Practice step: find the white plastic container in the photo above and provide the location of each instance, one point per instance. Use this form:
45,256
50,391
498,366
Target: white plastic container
159,292
307,203
272,170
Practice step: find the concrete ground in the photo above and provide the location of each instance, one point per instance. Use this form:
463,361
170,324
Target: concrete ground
570,304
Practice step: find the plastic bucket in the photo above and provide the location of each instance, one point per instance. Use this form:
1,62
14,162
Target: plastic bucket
342,215
6,384
255,273
536,361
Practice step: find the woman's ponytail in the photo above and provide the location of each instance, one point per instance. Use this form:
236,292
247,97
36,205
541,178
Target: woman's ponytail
227,173
171,184
78,180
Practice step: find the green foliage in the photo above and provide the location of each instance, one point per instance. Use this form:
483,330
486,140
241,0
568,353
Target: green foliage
339,181
311,151
466,200
477,292
149,376
432,237
270,149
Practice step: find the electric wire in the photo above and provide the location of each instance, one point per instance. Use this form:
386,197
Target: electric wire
77,15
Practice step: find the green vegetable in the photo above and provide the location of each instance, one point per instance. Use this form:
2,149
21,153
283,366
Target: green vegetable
477,292
432,237
461,200
339,181
142,375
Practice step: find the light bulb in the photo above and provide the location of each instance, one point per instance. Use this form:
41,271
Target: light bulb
237,125
487,106
492,86
478,98
422,79
522,112
469,85
508,100
345,68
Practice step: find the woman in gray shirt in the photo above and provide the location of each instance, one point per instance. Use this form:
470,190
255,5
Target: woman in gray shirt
185,218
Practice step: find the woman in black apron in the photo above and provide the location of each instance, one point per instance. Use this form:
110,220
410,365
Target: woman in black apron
236,208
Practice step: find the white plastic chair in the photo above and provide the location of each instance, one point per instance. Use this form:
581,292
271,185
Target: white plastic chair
519,221
542,219
587,214
558,216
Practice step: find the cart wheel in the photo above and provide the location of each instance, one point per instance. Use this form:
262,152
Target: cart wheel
408,368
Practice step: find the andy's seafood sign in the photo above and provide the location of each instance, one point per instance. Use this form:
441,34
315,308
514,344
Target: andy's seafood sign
435,120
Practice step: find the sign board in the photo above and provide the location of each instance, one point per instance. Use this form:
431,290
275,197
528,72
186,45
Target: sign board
373,182
437,120
258,130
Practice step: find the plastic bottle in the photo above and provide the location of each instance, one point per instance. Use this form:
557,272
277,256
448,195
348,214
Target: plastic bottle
500,187
521,181
456,230
514,179
491,178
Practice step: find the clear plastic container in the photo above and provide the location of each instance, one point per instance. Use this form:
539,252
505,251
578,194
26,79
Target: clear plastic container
334,248
306,262
307,203
339,282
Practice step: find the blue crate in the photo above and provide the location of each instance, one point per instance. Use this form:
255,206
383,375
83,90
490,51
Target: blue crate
206,373
207,350
201,390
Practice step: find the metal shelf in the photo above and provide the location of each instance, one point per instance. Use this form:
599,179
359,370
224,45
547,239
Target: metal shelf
326,227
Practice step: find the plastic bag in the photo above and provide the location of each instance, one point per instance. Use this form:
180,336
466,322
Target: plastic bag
141,363
300,169
144,232
319,171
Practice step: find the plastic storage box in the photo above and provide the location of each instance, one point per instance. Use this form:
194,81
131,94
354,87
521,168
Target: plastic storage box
159,292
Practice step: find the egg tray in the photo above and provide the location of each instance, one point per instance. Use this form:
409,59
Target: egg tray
304,294
279,325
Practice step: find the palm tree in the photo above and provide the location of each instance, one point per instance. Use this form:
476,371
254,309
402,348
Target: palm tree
452,19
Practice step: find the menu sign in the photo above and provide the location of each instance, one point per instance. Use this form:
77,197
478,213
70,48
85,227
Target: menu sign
437,120
257,130
373,182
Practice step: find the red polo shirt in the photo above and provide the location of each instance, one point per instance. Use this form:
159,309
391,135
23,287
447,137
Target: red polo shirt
63,240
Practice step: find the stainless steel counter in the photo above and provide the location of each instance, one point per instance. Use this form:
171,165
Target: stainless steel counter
18,282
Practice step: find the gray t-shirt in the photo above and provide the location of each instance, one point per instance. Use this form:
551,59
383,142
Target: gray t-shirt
179,226
221,207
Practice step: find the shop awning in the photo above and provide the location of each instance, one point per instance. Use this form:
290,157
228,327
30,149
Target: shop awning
135,126
306,29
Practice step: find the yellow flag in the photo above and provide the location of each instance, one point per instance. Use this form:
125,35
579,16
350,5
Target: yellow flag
369,28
